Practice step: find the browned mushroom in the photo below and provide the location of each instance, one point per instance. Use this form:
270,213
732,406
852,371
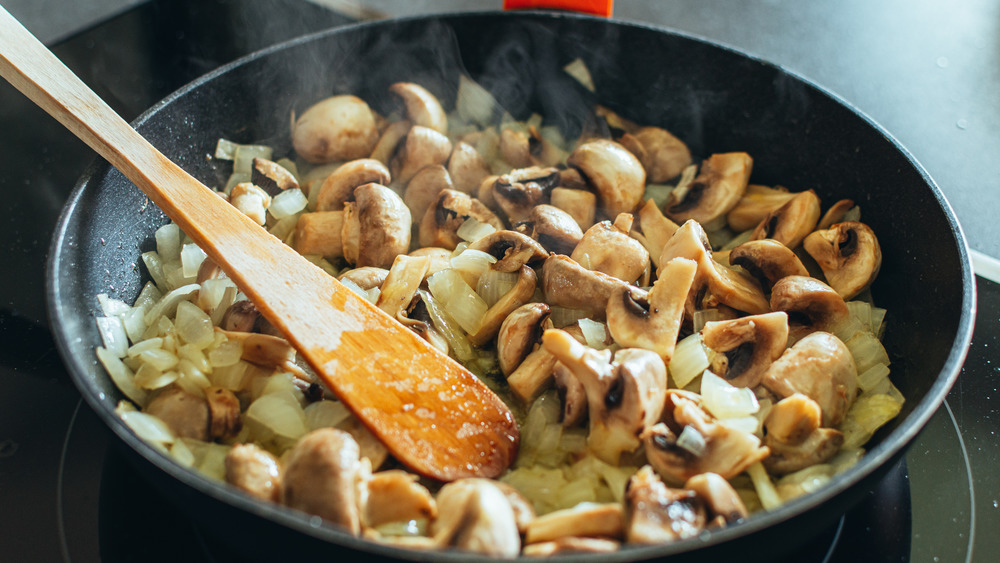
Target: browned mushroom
794,436
422,146
475,515
716,190
467,168
614,173
422,107
519,191
440,223
722,501
746,346
655,513
849,255
396,496
376,227
567,284
337,128
587,519
580,204
271,176
756,203
811,305
187,415
607,247
254,471
767,260
339,186
321,477
553,228
518,295
791,222
224,420
662,155
512,250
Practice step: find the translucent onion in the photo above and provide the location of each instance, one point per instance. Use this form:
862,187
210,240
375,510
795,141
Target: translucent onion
867,351
244,154
458,342
493,285
326,414
135,323
868,413
458,299
112,307
159,358
872,376
594,333
121,375
769,497
562,317
473,229
166,306
154,265
287,203
703,316
191,258
726,401
473,103
168,242
148,427
193,325
113,335
689,360
276,418
148,297
149,377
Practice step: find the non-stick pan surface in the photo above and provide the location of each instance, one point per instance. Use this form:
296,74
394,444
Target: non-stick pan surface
714,98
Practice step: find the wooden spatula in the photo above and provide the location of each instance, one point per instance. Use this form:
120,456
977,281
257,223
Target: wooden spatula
433,414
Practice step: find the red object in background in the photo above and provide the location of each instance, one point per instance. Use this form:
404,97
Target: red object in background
596,7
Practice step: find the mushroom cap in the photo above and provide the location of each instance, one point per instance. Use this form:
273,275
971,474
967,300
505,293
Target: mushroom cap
849,255
820,367
440,223
791,222
662,155
553,228
271,176
747,345
580,204
811,305
366,277
467,167
511,249
519,333
720,497
186,414
253,470
475,515
519,191
339,186
716,190
767,260
567,284
422,107
757,202
794,436
423,189
613,172
383,223
422,146
607,248
337,128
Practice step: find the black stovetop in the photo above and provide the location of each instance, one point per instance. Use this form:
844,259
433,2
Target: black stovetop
66,490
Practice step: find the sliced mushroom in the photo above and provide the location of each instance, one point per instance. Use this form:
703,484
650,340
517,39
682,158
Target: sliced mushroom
524,512
420,147
271,176
418,319
266,350
519,148
241,316
570,544
567,284
440,223
467,168
767,260
254,471
746,347
338,188
708,446
614,173
376,227
422,190
321,477
553,228
716,190
474,515
396,496
251,201
652,320
224,421
662,155
512,250
320,233
366,277
791,222
390,141
811,305
580,204
422,107
572,395
519,333
209,270
835,214
607,247
187,415
337,128
624,397
722,501
820,367
533,375
795,438
756,203
519,191
587,519
849,255
656,229
655,513
517,296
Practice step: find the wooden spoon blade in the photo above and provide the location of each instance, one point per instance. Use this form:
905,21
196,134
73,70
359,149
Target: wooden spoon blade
432,414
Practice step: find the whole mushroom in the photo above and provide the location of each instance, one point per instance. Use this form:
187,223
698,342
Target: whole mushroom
337,128
376,227
613,172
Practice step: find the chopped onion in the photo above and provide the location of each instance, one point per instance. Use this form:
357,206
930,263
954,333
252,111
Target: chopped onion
153,343
324,414
195,356
244,154
769,497
154,265
579,71
148,297
473,229
168,242
166,306
232,376
112,307
872,376
121,376
692,441
287,203
474,103
562,317
113,335
868,413
148,427
225,149
149,377
134,323
703,316
726,401
493,285
689,360
867,351
594,333
191,258
749,424
473,261
449,328
193,325
276,418
159,358
458,299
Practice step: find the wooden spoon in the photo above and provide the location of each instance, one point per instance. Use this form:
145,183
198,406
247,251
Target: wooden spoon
432,414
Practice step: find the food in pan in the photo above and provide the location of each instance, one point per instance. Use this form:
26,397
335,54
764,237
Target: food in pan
682,347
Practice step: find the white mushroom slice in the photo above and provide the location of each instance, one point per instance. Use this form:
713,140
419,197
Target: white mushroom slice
691,441
791,222
422,190
513,250
422,107
440,223
835,214
524,513
795,438
320,233
519,333
656,229
187,415
848,253
716,190
401,283
624,397
338,188
337,128
571,544
746,347
474,515
389,141
396,496
321,477
723,502
376,227
266,350
519,191
767,260
572,395
811,306
518,295
580,204
820,367
662,155
251,201
655,513
567,284
614,173
587,519
271,176
652,320
421,147
254,471
224,413
756,203
553,228
608,248
467,168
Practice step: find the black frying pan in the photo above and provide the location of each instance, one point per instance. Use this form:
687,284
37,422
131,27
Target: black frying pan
714,98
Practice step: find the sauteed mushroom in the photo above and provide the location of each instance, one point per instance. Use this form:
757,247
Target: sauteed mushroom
614,173
794,436
422,146
655,513
423,189
422,107
767,260
567,284
271,177
757,202
511,249
338,188
553,228
724,505
255,471
467,167
337,128
376,227
811,305
581,205
746,346
474,515
321,477
440,223
791,222
519,332
608,248
586,519
714,192
662,155
519,191
849,255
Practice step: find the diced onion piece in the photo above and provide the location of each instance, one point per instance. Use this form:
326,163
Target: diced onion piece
804,481
155,267
159,358
473,261
458,299
324,414
148,297
112,307
877,321
227,353
166,306
121,376
692,441
562,316
191,258
134,323
724,400
749,424
182,454
738,240
689,360
168,242
473,229
594,333
769,497
193,325
473,102
867,351
225,149
149,377
113,335
703,316
493,285
868,413
872,377
244,155
289,165
148,427
449,328
153,343
287,203
276,418
579,71
861,310
363,293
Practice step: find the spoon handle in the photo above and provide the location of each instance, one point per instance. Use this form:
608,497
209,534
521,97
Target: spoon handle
432,414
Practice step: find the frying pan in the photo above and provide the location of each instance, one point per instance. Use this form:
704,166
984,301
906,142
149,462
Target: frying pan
715,98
